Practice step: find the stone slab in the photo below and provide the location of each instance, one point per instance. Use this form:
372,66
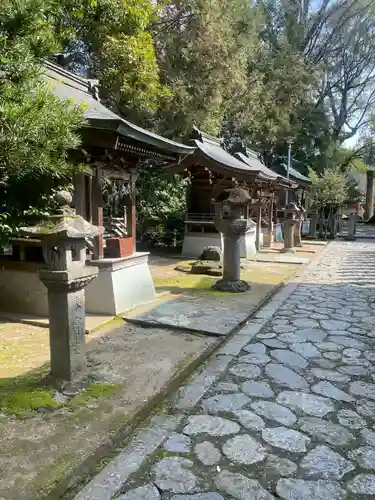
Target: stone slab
191,314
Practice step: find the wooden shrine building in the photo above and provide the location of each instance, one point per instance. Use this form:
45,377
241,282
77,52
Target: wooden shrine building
112,150
211,170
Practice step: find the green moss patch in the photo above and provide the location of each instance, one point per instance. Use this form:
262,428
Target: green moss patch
95,390
22,403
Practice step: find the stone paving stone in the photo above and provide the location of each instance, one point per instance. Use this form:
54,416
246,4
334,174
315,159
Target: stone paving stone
298,489
366,408
310,404
226,387
324,463
329,324
322,430
333,356
305,349
199,496
347,342
305,323
177,443
225,402
350,419
368,436
207,453
245,371
255,359
353,370
173,474
250,420
274,411
331,375
329,346
280,466
286,439
189,395
359,388
285,376
274,343
243,449
289,358
256,348
330,391
257,389
213,426
306,335
148,492
365,457
363,484
269,335
325,363
240,487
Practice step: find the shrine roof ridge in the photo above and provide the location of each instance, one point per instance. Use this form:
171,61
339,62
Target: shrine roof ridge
81,90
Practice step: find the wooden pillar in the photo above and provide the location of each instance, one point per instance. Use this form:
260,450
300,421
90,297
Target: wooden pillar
131,214
270,216
97,214
79,199
259,225
369,207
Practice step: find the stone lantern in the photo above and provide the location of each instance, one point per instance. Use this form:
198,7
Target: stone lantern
65,276
298,228
233,224
291,224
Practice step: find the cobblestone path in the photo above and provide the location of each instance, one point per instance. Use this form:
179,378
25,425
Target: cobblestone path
285,410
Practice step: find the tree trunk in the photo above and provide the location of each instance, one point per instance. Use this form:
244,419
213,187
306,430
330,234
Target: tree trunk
369,208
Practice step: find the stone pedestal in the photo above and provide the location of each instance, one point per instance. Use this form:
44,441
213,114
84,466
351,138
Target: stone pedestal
352,222
298,228
232,225
122,284
314,225
66,305
289,231
232,229
292,223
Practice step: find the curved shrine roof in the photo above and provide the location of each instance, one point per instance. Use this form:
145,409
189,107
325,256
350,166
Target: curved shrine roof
70,87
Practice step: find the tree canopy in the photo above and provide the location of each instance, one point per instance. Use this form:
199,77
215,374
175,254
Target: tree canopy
254,71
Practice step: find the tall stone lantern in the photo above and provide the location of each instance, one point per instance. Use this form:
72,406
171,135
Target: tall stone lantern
291,224
65,276
298,228
233,223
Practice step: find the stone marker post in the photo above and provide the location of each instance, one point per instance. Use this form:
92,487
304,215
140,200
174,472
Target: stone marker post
232,224
291,221
298,227
65,276
352,221
314,218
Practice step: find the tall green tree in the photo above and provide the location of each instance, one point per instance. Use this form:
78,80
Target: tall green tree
111,40
36,129
203,49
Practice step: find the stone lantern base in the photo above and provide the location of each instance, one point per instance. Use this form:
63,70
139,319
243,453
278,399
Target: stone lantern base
237,286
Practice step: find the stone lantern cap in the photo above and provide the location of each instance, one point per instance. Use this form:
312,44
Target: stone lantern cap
234,196
64,225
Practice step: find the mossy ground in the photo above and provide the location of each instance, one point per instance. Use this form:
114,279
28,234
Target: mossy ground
23,396
167,278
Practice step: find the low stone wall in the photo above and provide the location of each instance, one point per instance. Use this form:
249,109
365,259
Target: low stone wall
21,290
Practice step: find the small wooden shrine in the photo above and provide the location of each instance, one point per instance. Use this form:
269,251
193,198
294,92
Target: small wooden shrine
212,169
112,150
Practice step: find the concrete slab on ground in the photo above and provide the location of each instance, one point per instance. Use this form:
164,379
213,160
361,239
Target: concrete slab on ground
194,314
